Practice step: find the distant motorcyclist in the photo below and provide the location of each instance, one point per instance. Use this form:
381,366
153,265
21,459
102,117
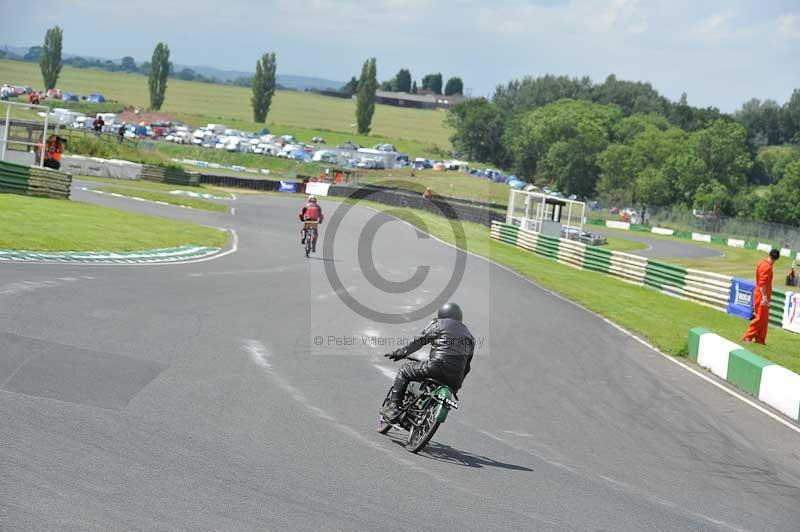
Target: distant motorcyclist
452,348
311,212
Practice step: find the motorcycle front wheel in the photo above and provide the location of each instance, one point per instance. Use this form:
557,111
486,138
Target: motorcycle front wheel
419,436
383,426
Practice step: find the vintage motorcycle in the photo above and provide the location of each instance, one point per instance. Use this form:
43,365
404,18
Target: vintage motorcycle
424,408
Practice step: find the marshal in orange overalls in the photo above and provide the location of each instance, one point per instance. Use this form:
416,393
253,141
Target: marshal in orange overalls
758,327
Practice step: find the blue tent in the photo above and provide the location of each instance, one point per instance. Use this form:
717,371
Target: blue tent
95,98
70,97
517,184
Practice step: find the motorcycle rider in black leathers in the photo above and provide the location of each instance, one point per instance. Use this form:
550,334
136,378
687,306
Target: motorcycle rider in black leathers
452,347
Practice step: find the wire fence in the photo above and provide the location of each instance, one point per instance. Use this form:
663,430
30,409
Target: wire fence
780,235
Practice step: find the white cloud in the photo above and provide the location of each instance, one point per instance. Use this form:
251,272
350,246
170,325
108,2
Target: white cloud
613,16
789,25
716,27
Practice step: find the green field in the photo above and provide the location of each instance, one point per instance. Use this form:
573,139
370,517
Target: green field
152,186
296,113
61,225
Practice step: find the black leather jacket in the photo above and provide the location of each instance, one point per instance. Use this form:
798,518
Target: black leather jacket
452,345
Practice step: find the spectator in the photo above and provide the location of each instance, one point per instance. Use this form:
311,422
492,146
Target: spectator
428,194
98,124
5,92
52,155
121,132
791,279
761,299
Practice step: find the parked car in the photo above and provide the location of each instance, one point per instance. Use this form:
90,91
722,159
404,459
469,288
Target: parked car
385,147
349,145
573,233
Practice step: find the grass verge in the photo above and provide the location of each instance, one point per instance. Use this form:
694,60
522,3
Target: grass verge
139,184
42,224
172,199
662,320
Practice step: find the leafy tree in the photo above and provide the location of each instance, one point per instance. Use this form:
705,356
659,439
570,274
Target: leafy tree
433,83
387,86
618,172
790,118
722,148
128,64
365,102
454,86
402,81
775,159
159,70
33,54
627,128
3,54
186,74
351,87
712,197
50,59
781,203
655,188
560,142
263,87
685,173
762,120
414,88
518,96
479,127
630,96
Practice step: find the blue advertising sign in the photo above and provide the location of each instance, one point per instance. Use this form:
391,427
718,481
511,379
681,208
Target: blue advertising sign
288,186
740,302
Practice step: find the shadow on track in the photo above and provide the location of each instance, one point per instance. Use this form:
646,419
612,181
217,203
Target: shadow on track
449,455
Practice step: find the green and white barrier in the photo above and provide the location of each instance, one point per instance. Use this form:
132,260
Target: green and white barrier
770,383
703,287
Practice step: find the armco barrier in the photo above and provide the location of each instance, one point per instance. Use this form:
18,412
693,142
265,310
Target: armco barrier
707,288
172,176
771,383
34,181
239,182
443,206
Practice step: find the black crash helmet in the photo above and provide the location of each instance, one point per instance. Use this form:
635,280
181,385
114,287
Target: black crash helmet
450,310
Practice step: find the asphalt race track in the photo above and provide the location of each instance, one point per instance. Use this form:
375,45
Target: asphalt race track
660,247
241,394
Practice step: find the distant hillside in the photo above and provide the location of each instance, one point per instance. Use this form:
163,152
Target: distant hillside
288,81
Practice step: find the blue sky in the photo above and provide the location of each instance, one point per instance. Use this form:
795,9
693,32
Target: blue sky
720,52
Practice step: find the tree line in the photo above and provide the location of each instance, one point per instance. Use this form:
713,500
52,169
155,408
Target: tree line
403,82
263,83
623,142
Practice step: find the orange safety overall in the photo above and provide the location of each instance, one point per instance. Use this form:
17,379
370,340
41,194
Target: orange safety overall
758,327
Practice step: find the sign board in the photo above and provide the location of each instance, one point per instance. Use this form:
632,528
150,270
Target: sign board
740,301
662,231
766,248
791,312
288,186
318,189
700,237
617,225
735,243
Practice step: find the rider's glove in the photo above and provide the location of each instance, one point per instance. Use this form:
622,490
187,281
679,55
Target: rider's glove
394,356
